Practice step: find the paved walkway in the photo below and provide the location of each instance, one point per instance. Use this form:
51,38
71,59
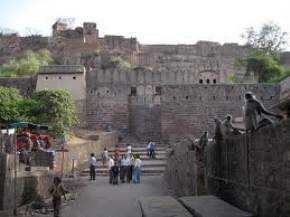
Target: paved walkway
99,199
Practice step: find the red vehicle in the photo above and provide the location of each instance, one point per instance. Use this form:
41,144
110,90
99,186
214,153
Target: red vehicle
32,141
30,137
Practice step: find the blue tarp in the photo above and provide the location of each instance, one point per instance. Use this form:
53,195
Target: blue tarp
23,124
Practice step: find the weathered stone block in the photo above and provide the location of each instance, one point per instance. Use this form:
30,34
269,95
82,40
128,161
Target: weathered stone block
162,207
209,206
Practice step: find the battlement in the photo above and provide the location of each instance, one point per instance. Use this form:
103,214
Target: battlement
62,69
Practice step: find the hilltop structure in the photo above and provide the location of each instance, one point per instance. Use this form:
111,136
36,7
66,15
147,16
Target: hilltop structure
148,91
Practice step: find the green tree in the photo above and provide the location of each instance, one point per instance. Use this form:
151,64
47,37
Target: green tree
264,60
269,38
9,102
264,66
285,74
55,108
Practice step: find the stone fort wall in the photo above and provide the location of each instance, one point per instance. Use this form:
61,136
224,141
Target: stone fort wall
157,105
12,45
26,85
191,109
151,104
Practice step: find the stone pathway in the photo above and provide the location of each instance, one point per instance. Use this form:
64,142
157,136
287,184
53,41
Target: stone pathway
99,199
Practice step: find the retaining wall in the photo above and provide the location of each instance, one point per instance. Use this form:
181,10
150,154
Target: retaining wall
80,152
253,171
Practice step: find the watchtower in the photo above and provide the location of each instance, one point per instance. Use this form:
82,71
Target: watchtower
91,33
59,26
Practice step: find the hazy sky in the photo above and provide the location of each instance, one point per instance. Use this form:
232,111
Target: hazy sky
151,21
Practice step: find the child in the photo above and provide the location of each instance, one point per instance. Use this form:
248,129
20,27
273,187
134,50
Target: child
57,190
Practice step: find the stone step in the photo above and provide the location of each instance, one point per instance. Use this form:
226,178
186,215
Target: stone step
137,149
138,152
138,144
209,206
146,158
157,170
106,175
147,163
163,206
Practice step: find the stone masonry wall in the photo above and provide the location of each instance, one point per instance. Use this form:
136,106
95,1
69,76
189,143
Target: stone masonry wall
253,171
29,185
180,173
285,89
144,117
191,109
108,106
12,45
26,85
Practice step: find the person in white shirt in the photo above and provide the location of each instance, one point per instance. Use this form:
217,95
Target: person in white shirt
137,170
126,168
93,164
111,163
148,145
105,156
129,149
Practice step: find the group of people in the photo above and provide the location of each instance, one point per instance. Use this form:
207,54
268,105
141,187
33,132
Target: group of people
126,167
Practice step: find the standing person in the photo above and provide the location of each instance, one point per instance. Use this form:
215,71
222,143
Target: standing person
148,147
151,150
111,163
129,150
137,170
93,164
126,162
105,156
115,171
130,168
56,191
122,169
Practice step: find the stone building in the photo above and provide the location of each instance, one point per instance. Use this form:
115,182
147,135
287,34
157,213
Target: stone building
71,78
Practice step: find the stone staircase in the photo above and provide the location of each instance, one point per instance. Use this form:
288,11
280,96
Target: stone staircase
150,167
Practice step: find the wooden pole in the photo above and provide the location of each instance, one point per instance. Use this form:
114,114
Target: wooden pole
62,163
14,145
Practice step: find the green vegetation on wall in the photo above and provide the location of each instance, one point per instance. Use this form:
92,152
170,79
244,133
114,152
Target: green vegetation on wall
117,62
26,64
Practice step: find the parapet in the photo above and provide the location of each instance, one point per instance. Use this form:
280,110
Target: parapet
62,69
